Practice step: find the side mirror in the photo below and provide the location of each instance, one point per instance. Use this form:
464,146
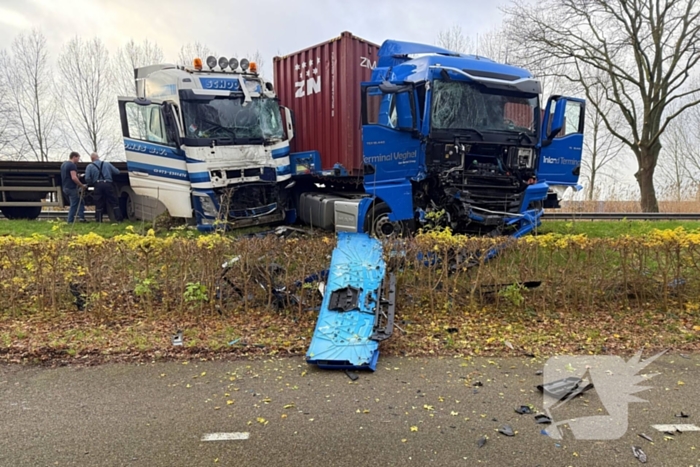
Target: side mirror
557,119
289,122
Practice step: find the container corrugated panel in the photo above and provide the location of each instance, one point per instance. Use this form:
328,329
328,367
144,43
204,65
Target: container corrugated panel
520,114
321,85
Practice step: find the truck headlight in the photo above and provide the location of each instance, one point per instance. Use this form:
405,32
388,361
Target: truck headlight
525,158
207,204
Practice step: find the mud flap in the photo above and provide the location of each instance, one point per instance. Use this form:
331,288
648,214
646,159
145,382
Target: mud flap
357,312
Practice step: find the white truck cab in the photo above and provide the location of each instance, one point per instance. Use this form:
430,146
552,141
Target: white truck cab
207,145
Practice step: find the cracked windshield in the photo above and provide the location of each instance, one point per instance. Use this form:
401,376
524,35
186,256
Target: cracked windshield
460,106
231,118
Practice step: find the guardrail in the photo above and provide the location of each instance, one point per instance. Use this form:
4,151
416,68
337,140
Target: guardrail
618,216
550,216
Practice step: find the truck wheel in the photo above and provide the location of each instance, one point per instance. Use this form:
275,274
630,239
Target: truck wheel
21,212
377,223
126,206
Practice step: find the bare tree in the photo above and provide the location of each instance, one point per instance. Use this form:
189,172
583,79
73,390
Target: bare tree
453,39
679,161
645,50
87,96
189,52
27,75
494,44
601,148
130,56
5,117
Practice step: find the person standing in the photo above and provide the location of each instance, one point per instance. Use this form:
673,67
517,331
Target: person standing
73,188
101,175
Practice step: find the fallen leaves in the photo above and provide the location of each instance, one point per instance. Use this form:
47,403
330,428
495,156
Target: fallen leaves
414,429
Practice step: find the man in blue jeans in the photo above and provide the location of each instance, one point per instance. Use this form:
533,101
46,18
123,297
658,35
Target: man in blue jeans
72,187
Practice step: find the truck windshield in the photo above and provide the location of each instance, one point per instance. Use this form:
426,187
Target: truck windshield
458,105
227,117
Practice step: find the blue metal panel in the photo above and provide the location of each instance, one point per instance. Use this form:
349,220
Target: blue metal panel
342,339
305,162
398,195
279,152
284,170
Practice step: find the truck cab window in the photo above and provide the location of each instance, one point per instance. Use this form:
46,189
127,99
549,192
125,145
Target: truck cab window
156,127
389,110
145,123
573,123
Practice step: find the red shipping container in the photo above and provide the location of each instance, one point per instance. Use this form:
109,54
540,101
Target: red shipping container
321,85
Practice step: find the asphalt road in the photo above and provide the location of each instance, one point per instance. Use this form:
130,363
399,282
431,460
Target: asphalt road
409,412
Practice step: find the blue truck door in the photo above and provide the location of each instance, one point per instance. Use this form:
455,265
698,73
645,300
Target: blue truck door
561,141
390,142
391,145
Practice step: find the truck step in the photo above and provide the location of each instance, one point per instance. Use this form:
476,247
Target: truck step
357,311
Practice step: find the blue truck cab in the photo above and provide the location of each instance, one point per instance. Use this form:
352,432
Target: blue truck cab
456,140
466,138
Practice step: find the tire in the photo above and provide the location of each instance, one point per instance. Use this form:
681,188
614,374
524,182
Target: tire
377,223
21,212
126,206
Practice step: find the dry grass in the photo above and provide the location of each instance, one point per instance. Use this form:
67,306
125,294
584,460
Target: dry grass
615,293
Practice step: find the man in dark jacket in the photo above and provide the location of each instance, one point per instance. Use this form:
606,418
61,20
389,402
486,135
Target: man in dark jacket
101,175
73,188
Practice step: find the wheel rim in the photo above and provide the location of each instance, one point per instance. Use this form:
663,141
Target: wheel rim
383,227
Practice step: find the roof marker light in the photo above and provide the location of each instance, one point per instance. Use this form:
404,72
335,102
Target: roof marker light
197,63
233,63
244,64
223,63
211,61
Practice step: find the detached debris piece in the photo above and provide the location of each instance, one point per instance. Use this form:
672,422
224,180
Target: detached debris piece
567,388
506,430
177,338
482,441
351,375
543,419
642,435
77,292
524,410
682,415
639,454
357,311
478,383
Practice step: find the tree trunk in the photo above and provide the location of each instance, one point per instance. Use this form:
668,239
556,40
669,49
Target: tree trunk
591,188
645,179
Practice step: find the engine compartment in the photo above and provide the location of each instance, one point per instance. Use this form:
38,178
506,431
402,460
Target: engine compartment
475,180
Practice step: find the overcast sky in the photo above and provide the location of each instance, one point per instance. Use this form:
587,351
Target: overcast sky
240,27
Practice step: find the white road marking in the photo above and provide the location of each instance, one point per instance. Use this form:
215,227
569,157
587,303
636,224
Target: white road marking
673,428
225,436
